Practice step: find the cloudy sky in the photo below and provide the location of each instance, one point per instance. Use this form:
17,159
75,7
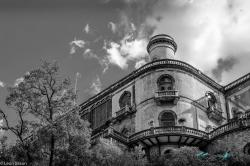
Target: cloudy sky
105,40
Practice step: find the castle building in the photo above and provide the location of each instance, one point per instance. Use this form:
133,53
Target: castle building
167,104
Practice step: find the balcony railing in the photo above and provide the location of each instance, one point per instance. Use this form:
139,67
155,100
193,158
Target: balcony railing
229,127
123,112
174,130
168,130
214,113
125,109
167,95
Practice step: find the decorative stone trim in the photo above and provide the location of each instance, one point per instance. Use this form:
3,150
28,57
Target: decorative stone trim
162,40
153,65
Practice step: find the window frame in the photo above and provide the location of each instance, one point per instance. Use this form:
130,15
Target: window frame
125,99
172,120
167,85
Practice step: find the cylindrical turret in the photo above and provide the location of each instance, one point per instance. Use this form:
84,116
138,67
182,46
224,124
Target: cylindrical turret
161,47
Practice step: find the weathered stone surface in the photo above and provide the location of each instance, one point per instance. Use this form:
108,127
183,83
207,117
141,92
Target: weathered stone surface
191,105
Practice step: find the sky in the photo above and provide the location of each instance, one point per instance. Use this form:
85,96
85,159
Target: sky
98,42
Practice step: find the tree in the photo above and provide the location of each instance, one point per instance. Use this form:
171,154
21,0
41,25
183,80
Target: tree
233,143
188,156
46,98
4,150
108,153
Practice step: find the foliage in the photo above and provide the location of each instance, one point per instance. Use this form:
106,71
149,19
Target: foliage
4,150
45,97
233,143
108,153
187,156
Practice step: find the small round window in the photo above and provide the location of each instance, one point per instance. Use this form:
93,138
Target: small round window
155,58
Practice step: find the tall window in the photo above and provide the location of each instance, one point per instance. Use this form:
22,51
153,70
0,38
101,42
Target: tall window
101,114
167,119
165,82
234,112
86,116
125,99
211,99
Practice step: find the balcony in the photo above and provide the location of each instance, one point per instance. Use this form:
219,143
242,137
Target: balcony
167,95
173,135
123,113
215,114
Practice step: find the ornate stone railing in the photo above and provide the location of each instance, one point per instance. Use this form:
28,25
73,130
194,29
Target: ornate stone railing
215,110
157,131
168,130
215,113
166,93
229,127
127,108
222,129
120,136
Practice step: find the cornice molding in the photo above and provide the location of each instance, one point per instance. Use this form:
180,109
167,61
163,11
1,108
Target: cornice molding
237,83
162,40
162,63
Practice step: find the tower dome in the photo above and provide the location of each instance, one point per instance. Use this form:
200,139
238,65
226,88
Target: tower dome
161,47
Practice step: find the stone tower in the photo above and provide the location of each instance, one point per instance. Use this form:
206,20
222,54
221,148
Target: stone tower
161,47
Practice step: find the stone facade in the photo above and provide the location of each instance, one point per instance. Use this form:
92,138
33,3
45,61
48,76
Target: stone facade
171,104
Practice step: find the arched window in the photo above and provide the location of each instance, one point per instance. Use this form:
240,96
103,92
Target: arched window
124,131
168,151
246,149
154,58
234,112
125,99
165,82
167,119
211,99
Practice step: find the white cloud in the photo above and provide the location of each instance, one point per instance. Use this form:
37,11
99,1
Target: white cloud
140,63
115,57
135,49
2,84
97,39
205,31
87,28
128,49
104,62
105,1
133,28
76,43
18,81
95,86
112,26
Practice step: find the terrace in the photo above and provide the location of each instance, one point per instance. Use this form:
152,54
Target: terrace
174,134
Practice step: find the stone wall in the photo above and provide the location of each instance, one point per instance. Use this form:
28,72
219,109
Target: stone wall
191,91
116,96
